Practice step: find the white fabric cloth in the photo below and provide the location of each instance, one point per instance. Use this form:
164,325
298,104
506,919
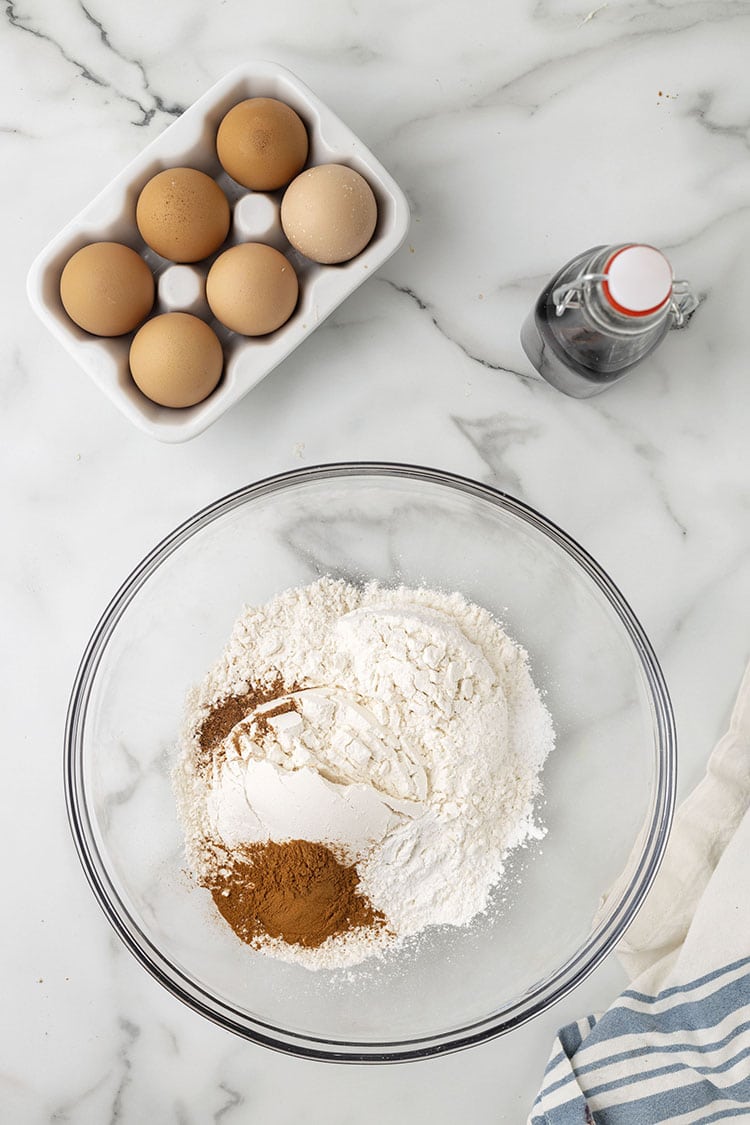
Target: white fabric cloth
703,827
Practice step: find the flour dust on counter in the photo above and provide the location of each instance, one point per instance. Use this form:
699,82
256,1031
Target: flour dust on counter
356,768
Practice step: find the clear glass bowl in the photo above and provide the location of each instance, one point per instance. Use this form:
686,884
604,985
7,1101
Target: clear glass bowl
608,787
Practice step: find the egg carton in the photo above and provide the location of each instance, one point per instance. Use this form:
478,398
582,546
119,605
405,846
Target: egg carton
190,142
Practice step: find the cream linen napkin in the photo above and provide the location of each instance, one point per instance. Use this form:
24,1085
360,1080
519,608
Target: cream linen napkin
703,826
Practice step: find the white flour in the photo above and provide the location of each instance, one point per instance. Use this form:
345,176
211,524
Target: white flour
416,746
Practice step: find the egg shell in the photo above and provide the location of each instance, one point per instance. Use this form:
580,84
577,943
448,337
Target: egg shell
183,214
176,359
252,289
107,289
262,143
329,213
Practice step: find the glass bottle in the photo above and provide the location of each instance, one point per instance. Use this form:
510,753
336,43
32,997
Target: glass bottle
603,313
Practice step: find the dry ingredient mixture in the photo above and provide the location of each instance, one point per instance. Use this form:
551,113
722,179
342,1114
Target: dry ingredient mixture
357,766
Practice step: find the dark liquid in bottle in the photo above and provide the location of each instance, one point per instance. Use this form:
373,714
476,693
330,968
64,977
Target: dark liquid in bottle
573,354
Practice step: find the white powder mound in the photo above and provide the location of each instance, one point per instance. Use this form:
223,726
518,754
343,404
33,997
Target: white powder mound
415,746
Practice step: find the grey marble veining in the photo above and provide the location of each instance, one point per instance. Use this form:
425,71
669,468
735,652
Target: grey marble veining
521,133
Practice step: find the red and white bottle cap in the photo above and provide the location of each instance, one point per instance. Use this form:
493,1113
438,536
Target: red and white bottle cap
639,280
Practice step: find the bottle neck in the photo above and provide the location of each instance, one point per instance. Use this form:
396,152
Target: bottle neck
601,307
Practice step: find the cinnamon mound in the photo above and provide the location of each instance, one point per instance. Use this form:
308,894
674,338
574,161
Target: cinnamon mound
297,891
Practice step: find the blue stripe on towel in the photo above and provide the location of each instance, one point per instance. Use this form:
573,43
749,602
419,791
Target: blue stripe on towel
691,985
664,1048
677,1060
690,1014
724,1114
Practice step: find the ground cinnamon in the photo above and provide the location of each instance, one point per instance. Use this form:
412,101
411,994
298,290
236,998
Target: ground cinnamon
227,713
297,891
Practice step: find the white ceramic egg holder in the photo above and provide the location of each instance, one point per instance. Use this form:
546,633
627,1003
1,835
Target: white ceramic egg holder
190,142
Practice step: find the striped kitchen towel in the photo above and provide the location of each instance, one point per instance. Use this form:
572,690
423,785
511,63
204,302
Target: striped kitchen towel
674,1049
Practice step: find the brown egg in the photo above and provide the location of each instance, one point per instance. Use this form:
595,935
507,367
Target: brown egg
107,289
176,359
262,144
329,213
252,289
182,214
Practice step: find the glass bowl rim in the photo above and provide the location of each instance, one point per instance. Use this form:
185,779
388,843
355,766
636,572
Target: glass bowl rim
544,993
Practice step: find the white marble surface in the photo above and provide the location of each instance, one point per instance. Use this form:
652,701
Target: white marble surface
521,133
